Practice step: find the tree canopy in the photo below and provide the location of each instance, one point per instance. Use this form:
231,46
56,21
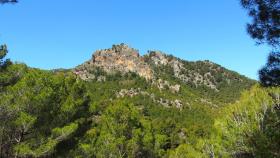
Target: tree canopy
3,52
8,1
265,26
269,74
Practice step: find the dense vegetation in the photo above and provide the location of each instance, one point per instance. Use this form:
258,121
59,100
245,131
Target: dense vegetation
56,114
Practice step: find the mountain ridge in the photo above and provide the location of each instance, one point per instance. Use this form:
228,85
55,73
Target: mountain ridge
205,79
125,59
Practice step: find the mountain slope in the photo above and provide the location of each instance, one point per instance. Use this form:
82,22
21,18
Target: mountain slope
212,83
117,104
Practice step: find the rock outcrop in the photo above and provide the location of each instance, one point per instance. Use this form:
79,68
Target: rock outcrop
165,85
162,101
119,58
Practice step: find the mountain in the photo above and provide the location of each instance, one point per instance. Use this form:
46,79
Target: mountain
212,83
122,104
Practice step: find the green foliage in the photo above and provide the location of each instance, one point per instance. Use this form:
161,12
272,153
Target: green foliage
185,151
270,74
39,110
3,53
251,126
55,114
117,133
64,132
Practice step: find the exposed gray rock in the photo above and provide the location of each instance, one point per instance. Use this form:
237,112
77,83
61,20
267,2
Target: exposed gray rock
130,93
164,102
181,72
175,88
101,78
159,58
165,85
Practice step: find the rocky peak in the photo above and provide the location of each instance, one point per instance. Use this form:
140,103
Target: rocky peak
121,50
120,58
158,57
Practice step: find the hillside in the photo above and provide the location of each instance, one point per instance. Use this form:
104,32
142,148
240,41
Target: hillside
211,83
118,104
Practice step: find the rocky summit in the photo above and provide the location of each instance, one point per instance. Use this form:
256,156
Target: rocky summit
119,58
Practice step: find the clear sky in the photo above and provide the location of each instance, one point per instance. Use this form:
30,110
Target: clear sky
64,33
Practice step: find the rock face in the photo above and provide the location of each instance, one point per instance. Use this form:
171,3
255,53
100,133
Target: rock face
120,58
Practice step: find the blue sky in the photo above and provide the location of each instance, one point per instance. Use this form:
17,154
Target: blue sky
63,33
